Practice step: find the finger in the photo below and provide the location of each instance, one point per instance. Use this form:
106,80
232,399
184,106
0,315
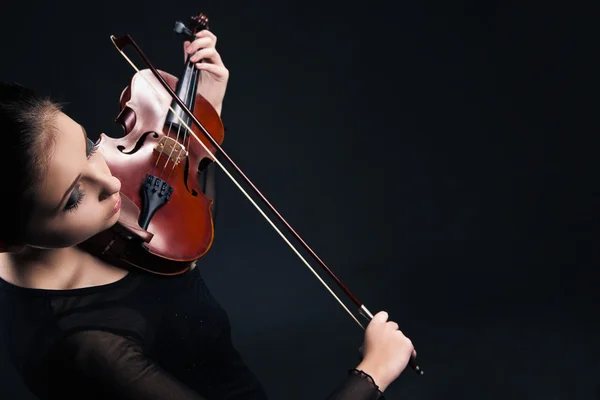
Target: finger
414,353
393,325
207,33
199,44
219,71
209,54
380,317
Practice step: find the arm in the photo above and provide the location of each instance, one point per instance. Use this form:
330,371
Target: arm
98,364
358,385
90,363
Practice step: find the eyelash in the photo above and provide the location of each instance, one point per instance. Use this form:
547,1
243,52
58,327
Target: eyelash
94,149
80,196
80,191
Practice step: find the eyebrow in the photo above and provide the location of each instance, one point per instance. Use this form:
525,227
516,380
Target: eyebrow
72,186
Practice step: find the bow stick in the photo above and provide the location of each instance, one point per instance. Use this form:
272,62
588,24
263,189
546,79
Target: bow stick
120,43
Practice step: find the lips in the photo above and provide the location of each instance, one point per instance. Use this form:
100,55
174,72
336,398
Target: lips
117,206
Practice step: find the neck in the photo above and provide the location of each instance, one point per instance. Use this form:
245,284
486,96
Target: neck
55,269
186,89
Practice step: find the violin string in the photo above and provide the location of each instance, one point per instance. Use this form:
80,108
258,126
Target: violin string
155,165
196,77
251,200
160,154
193,85
170,157
186,137
176,140
158,158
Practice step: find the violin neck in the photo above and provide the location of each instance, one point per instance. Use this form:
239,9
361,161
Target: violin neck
187,85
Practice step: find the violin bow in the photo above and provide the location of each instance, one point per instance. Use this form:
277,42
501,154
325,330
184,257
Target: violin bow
120,43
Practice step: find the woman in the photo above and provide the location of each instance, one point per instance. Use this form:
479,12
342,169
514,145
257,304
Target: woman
78,327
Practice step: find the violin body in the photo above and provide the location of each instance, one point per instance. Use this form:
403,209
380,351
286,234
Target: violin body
183,226
166,221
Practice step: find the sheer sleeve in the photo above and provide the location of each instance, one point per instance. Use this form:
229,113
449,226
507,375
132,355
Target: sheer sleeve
103,365
110,366
357,386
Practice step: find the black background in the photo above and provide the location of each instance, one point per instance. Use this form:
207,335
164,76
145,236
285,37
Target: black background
438,156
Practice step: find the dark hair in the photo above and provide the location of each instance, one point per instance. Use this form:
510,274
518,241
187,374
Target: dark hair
26,120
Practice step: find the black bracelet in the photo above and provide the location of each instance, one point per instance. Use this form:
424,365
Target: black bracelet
361,372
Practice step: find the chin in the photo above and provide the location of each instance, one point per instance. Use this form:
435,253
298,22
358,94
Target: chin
114,219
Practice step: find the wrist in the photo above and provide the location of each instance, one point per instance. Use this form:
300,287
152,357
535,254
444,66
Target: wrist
375,372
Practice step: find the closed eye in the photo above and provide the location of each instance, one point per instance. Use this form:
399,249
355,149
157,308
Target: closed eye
78,193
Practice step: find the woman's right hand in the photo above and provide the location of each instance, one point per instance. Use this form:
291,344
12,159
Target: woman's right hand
386,351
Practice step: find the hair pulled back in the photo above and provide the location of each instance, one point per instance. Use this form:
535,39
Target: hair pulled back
26,122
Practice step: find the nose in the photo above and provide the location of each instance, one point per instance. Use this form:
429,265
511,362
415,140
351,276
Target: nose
112,186
100,173
109,185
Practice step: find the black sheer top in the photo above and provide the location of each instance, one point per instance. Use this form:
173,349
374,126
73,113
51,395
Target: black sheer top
143,337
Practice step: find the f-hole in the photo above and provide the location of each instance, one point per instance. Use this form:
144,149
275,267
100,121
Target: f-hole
203,173
204,163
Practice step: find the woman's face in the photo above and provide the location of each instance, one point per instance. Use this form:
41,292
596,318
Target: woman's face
78,196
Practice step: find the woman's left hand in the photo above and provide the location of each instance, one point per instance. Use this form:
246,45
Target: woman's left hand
213,74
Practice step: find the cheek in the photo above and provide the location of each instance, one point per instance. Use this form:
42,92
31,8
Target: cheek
72,228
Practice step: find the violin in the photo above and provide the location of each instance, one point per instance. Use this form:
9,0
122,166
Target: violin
171,134
166,221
